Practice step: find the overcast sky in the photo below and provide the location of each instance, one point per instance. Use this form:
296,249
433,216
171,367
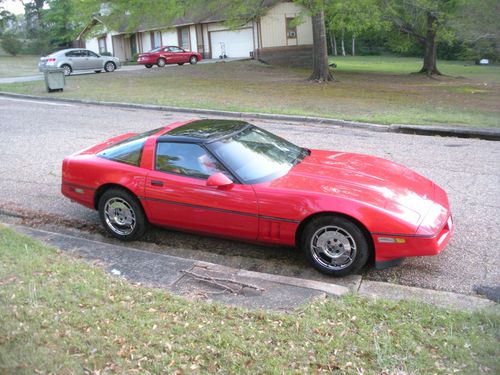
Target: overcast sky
13,6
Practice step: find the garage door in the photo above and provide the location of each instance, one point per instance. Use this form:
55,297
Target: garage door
238,43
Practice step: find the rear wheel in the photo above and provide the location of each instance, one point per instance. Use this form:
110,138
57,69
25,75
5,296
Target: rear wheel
161,62
149,66
110,67
193,60
335,245
122,215
67,69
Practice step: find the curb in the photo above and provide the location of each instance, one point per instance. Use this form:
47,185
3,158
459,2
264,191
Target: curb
461,132
366,288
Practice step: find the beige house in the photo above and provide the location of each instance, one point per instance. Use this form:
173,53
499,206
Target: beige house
275,37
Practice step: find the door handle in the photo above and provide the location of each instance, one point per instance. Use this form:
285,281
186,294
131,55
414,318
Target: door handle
156,183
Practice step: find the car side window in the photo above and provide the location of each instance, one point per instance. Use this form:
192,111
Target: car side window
92,54
73,54
186,159
175,49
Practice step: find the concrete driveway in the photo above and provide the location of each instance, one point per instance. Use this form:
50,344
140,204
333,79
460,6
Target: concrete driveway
36,135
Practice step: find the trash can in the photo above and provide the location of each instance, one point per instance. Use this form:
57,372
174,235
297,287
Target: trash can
54,79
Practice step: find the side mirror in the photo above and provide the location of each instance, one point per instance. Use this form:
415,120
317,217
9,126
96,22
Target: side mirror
219,180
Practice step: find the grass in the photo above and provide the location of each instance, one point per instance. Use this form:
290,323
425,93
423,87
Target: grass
17,66
374,89
59,315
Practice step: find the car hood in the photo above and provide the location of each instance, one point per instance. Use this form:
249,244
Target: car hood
363,178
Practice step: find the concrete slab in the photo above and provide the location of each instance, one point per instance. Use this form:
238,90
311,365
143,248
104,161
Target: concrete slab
377,289
190,278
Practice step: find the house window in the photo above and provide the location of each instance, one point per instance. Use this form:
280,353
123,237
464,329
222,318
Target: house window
102,45
291,28
155,39
184,41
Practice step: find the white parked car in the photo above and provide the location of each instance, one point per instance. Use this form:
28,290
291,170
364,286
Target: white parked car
73,59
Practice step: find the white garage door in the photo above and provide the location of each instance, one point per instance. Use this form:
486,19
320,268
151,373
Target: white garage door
238,43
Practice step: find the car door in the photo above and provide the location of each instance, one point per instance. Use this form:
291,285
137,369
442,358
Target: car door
77,59
177,195
178,55
94,61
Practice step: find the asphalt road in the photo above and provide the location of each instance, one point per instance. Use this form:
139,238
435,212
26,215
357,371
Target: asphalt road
35,136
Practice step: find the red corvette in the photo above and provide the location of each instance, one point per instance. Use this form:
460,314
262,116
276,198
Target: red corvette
232,179
168,55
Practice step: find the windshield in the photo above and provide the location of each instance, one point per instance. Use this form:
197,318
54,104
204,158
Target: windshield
255,155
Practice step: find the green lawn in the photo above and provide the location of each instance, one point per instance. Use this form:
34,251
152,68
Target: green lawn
60,315
18,66
373,89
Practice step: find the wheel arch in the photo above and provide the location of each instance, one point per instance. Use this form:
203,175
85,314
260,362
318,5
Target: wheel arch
303,224
103,188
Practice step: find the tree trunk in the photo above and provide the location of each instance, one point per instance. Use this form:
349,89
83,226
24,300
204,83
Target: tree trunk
333,42
321,70
353,46
342,44
430,55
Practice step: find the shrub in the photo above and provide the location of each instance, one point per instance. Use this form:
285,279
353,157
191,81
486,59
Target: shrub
11,44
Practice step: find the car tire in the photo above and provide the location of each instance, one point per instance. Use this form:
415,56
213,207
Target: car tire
335,245
110,66
122,215
180,64
67,69
98,71
149,66
193,60
161,62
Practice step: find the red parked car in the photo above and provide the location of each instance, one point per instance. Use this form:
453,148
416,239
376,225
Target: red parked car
229,178
168,55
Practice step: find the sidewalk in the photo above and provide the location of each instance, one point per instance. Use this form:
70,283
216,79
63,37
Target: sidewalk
233,286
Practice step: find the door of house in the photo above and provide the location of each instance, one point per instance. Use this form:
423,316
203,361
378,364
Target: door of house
133,45
184,37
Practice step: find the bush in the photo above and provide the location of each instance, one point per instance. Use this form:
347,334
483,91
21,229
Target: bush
134,58
11,44
39,45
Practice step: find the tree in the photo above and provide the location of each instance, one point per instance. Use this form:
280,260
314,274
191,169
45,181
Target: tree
477,24
353,17
11,43
424,20
321,69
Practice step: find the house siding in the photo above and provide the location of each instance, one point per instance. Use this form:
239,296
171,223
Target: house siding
169,37
273,26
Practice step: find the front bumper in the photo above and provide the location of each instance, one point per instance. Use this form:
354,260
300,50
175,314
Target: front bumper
390,248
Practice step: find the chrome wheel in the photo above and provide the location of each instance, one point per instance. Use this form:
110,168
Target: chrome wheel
109,67
333,247
67,70
193,60
119,216
161,63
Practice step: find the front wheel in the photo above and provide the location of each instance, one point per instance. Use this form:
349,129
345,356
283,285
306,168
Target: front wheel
193,60
161,62
335,245
122,215
110,67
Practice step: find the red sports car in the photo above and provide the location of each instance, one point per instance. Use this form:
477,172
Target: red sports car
168,55
232,179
